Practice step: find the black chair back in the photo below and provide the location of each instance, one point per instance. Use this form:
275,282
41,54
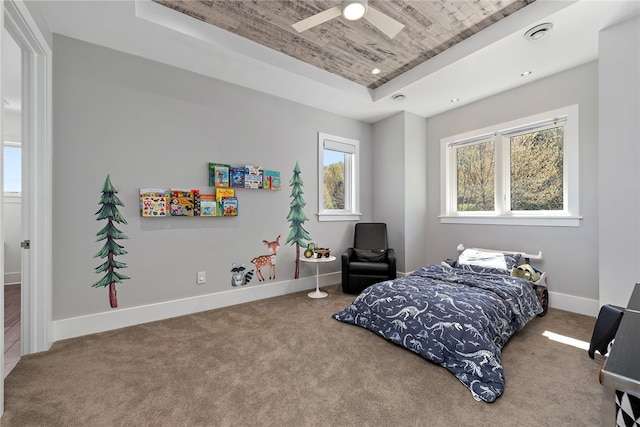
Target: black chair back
370,235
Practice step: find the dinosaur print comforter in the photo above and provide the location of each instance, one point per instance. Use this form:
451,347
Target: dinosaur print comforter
456,318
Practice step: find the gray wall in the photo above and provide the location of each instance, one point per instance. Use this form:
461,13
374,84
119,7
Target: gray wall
619,155
400,183
415,190
388,181
12,250
151,125
570,253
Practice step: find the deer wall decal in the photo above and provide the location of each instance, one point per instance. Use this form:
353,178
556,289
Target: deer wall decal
270,260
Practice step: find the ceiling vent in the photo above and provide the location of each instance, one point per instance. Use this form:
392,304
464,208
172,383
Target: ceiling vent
538,32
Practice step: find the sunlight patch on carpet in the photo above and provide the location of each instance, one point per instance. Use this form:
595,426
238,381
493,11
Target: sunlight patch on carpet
566,340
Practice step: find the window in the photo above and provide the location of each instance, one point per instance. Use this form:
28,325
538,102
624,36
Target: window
523,172
12,168
337,178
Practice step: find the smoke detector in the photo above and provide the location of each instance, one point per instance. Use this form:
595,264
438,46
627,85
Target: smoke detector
538,32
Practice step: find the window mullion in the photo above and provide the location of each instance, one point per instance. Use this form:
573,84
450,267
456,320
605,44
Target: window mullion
566,173
502,156
348,177
452,171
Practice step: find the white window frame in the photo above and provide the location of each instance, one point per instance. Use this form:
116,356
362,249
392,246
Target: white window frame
568,217
351,172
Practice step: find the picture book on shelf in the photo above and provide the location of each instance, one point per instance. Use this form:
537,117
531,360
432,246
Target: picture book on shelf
154,202
208,205
237,177
230,206
221,194
271,180
185,202
253,176
218,175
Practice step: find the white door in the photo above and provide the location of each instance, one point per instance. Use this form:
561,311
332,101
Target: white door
37,174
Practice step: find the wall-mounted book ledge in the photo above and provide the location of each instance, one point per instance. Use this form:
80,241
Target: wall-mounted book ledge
222,201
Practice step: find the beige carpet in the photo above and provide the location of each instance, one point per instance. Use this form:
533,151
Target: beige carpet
285,362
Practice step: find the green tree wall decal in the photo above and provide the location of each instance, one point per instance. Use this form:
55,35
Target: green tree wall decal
297,234
111,249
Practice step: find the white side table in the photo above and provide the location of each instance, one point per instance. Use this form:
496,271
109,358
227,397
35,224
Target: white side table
318,293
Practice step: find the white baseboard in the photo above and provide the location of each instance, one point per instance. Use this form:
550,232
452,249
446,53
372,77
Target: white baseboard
12,278
120,318
588,307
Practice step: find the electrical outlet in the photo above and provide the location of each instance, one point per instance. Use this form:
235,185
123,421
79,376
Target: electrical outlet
202,277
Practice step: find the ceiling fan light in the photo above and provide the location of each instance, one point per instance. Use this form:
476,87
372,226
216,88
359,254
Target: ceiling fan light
354,9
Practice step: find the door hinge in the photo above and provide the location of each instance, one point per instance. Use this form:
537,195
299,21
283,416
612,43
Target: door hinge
25,244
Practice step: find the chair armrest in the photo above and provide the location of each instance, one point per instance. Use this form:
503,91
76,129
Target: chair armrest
345,259
391,256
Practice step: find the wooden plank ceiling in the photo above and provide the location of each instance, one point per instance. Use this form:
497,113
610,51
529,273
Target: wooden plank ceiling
352,49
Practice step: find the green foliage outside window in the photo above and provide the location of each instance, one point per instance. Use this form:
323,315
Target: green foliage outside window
334,186
476,177
535,172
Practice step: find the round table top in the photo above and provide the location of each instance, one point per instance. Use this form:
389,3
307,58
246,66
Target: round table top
322,259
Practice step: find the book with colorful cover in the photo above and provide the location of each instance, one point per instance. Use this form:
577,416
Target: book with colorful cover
185,202
154,202
230,206
237,177
271,180
221,194
253,176
208,205
218,175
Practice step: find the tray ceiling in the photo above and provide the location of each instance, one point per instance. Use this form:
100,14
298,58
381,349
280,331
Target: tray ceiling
352,49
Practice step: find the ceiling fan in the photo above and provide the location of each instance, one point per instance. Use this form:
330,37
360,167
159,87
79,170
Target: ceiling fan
353,10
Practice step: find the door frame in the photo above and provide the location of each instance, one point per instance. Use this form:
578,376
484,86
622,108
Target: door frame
36,321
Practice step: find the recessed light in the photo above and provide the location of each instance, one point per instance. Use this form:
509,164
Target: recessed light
525,73
399,97
538,32
455,99
376,71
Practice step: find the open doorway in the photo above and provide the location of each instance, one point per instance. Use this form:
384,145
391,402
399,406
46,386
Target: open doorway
12,199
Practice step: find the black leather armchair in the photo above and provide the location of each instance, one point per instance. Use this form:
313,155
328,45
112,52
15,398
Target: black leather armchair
370,260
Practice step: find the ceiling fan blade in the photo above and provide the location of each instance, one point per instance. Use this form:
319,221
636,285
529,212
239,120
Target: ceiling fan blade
383,22
317,19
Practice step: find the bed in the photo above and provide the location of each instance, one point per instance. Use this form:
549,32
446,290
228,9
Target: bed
458,315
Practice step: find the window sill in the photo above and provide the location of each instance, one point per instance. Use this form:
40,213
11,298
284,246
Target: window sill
341,216
547,221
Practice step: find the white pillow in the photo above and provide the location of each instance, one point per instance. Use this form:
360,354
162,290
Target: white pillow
483,259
